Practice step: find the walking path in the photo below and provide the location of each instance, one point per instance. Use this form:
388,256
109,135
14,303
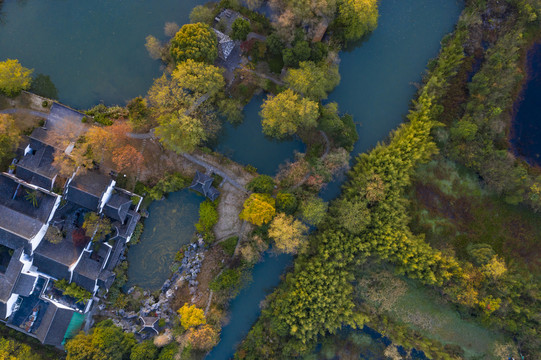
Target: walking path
26,111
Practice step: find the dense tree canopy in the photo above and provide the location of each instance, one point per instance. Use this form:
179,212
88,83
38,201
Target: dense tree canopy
14,77
283,114
195,41
104,342
145,350
313,80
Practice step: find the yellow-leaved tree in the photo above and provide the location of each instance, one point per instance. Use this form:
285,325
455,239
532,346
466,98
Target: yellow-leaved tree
258,209
282,115
288,233
191,316
14,77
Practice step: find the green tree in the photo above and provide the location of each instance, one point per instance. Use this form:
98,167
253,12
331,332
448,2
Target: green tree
288,233
9,138
258,209
202,14
96,227
275,45
283,114
313,80
138,112
299,52
145,350
208,217
356,18
313,210
286,202
104,342
180,133
191,316
240,29
342,130
195,41
261,184
14,77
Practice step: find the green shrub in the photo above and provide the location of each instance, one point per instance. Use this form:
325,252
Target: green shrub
208,217
73,290
228,280
286,202
136,236
229,245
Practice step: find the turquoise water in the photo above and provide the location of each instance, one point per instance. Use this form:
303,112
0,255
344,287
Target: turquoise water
169,226
246,143
93,50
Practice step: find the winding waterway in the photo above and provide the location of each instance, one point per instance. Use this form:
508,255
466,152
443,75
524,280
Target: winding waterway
94,52
527,122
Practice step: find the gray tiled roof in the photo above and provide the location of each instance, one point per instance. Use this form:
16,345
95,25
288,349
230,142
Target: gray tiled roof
25,285
66,121
117,206
51,267
37,167
202,183
54,325
17,214
9,278
3,310
86,189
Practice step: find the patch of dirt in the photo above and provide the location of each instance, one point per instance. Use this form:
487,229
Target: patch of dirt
229,208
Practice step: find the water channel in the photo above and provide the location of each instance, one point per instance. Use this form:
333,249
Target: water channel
94,51
526,127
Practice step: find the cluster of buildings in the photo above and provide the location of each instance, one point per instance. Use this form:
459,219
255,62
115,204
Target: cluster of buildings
33,199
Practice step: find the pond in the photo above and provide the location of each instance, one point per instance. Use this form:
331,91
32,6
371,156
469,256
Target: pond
94,51
169,226
526,127
246,143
